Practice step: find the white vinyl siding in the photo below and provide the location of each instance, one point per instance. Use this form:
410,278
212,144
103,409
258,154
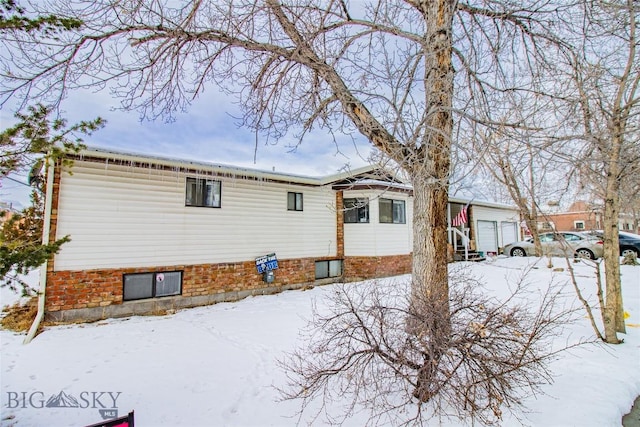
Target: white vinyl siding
126,216
375,238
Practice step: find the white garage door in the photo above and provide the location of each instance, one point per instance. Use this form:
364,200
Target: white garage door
509,232
487,236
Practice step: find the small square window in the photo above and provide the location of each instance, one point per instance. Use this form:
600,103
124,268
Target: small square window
356,210
138,286
578,225
203,193
322,269
167,284
294,201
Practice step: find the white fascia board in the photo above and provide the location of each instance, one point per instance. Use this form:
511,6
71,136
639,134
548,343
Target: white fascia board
103,153
482,203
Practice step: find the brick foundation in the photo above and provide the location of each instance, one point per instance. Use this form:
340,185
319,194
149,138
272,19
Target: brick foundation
362,268
98,294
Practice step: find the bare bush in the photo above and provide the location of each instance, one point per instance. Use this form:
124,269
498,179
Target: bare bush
630,259
362,352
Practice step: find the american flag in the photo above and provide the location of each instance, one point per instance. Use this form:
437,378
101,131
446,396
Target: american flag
461,218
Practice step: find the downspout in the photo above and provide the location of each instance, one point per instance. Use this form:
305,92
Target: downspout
46,229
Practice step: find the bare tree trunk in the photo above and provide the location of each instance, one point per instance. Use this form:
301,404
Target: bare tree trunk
532,223
429,170
611,98
533,227
612,271
430,164
430,268
614,314
498,161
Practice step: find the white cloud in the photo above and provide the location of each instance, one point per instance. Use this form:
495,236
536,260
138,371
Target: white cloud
209,131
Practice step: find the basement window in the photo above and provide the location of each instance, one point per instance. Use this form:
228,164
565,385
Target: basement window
578,225
151,285
330,268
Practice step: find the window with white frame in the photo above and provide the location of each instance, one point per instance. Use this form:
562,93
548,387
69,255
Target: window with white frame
151,285
356,210
203,193
578,225
294,201
392,211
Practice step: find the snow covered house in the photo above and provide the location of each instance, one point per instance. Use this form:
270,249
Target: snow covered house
150,234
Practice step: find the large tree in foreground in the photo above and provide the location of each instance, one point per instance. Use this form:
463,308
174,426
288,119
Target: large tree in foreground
387,69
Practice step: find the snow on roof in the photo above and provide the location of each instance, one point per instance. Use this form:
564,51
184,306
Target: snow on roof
371,175
124,156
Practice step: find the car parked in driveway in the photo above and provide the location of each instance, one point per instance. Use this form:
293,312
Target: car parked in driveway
559,243
629,242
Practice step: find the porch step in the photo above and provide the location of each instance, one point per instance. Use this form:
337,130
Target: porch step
473,256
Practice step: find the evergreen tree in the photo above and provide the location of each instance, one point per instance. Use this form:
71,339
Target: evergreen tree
21,248
28,145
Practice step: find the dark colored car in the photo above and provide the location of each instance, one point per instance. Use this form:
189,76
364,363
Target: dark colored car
629,242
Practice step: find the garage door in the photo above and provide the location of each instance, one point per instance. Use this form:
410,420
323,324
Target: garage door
487,236
509,231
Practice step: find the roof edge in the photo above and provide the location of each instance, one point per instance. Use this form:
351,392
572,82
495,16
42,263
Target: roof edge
106,154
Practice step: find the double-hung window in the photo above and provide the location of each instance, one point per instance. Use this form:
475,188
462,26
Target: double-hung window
294,201
356,210
392,211
203,192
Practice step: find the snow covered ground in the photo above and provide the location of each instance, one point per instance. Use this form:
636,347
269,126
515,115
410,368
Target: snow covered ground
216,365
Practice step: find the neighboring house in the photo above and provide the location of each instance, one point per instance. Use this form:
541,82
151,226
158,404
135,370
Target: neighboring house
150,234
629,223
490,226
579,217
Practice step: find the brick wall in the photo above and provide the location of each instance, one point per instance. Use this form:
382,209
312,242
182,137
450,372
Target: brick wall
566,221
98,294
98,288
360,268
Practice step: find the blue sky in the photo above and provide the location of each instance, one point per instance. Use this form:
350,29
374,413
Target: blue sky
207,132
